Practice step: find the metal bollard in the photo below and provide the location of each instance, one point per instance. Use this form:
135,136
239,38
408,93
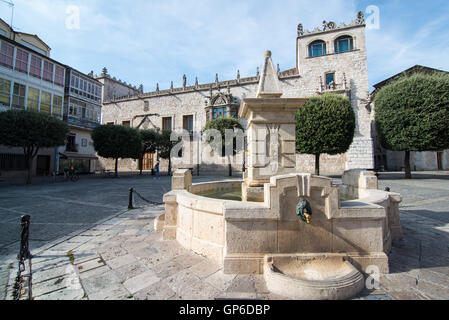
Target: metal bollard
130,199
24,244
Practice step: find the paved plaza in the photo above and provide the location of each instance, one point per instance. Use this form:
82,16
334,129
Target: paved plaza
87,245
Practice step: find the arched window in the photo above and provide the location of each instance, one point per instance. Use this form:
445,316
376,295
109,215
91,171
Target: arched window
317,48
344,44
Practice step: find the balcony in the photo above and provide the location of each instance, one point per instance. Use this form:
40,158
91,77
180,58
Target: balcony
83,123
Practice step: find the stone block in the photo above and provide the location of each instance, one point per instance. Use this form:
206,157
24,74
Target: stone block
301,237
288,160
251,236
289,147
357,236
243,264
181,179
141,281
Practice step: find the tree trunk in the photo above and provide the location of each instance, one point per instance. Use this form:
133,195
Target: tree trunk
317,164
29,162
408,173
29,153
141,164
116,167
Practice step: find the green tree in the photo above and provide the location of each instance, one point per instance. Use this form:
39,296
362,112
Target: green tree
150,139
412,114
223,124
31,131
325,125
115,141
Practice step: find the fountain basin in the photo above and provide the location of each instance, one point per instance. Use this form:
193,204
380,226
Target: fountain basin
312,276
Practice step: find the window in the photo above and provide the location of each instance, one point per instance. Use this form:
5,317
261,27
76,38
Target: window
166,123
21,61
5,92
33,99
330,80
45,102
188,123
146,106
344,44
317,48
48,71
57,106
59,76
71,145
36,66
12,162
6,54
18,96
126,123
219,112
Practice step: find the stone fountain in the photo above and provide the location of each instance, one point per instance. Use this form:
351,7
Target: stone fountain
323,256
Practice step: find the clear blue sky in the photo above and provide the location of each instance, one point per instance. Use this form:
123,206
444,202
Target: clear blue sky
150,41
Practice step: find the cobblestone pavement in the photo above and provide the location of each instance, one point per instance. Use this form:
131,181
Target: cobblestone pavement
61,209
122,257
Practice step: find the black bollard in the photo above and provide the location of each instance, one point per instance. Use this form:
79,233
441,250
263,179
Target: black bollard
130,200
24,243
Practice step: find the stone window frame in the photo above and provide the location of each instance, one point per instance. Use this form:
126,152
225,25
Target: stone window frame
171,122
342,34
326,48
325,77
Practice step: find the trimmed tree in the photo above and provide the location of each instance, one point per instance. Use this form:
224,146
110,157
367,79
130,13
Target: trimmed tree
115,141
223,124
150,139
325,125
412,114
31,131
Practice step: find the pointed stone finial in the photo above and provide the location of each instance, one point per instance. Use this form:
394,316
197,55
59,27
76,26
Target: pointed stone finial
141,88
300,30
216,79
104,72
269,81
258,72
184,81
238,75
157,87
171,86
196,82
278,70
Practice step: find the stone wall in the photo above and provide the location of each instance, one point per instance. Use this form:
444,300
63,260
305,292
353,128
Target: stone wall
419,161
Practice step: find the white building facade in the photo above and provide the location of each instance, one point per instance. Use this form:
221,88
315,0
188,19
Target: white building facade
29,80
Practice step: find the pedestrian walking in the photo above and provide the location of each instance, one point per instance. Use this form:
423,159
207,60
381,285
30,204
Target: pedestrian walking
156,169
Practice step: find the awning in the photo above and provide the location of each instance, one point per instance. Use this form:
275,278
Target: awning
77,156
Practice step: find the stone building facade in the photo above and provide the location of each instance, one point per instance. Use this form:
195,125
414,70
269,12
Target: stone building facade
331,59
